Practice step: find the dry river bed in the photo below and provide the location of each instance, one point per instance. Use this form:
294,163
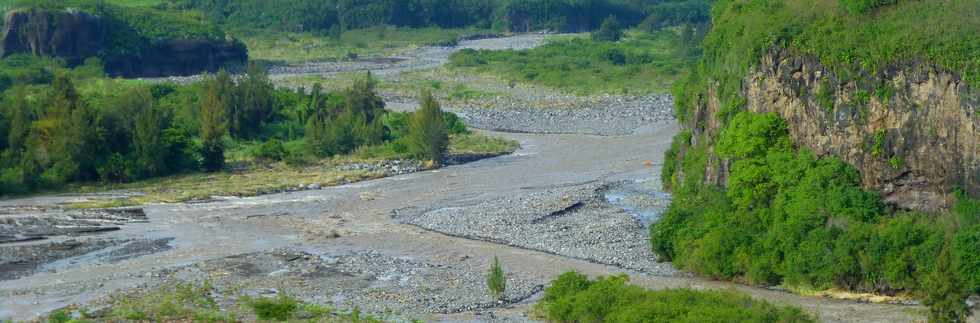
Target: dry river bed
415,245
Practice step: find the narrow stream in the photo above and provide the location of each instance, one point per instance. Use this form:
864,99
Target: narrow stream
641,198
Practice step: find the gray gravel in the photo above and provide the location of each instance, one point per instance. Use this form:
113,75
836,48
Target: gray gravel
603,115
370,281
573,221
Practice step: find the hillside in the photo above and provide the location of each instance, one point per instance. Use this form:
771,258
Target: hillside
130,40
830,144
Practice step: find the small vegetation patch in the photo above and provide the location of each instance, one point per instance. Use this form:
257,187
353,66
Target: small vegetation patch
572,297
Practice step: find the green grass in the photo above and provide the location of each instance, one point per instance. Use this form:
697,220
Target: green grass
641,63
196,303
572,297
369,42
852,45
479,144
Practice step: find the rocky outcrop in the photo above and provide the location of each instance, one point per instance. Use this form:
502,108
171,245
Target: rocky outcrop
75,35
913,130
70,35
178,57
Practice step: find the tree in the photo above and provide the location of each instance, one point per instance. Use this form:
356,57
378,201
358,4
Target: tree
945,292
610,30
76,144
148,145
214,123
427,135
20,119
496,280
255,103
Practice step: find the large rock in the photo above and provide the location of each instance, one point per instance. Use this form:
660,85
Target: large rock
70,35
75,35
915,145
179,57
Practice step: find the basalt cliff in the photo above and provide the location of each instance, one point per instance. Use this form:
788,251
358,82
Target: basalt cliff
75,35
912,129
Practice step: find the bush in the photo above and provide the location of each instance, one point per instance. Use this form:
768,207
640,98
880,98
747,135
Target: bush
271,150
610,30
427,135
573,298
496,280
274,309
862,6
787,216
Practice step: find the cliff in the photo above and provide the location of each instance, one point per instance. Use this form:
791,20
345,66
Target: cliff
912,129
76,35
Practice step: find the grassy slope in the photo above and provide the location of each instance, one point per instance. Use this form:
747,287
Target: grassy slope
375,41
639,64
853,44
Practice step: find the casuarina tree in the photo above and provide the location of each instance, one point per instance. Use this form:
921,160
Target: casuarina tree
427,135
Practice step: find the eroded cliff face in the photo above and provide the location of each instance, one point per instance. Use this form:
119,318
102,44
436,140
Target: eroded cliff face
72,36
75,35
913,130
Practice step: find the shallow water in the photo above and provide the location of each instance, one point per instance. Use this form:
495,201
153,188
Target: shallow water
640,198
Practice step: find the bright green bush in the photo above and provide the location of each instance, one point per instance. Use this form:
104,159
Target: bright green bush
573,298
787,216
274,309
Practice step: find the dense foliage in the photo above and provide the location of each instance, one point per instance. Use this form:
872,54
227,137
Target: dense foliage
502,15
572,297
640,63
73,125
789,217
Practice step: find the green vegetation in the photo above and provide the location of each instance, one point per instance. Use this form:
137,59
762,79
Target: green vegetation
114,131
196,303
788,217
427,135
609,31
843,34
295,47
572,297
640,63
335,15
496,279
133,25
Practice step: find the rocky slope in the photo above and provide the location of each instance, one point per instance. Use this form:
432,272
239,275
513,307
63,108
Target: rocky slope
76,35
912,129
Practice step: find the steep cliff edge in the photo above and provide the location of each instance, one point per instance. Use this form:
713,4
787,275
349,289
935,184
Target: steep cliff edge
75,35
832,144
912,130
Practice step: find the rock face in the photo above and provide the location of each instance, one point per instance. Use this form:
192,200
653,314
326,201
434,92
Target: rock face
72,36
913,130
179,57
75,35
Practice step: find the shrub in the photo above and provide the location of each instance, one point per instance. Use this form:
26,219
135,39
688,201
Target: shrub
271,150
573,298
610,30
861,6
427,135
945,293
496,280
274,309
454,125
